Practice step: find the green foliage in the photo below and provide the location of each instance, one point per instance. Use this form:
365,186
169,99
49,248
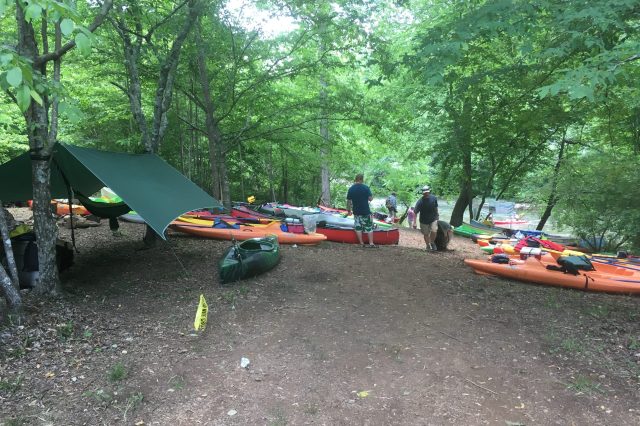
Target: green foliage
65,331
584,385
600,199
10,387
118,372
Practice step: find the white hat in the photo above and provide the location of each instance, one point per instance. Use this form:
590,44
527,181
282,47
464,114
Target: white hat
426,188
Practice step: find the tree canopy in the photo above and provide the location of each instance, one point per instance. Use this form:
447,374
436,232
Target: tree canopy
505,99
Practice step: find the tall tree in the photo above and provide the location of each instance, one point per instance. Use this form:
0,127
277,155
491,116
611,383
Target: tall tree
32,77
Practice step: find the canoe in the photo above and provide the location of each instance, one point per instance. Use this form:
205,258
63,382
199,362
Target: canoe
605,277
348,235
249,258
246,231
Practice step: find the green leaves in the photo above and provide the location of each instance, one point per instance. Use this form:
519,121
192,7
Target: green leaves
67,26
83,43
23,97
33,11
14,76
3,6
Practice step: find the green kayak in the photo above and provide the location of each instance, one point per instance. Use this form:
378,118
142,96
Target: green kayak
249,258
467,230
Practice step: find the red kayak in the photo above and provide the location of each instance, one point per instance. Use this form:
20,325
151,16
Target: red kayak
346,235
509,222
242,211
245,213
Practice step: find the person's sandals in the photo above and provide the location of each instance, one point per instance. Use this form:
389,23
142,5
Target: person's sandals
371,246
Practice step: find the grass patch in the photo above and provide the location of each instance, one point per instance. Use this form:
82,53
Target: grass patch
279,418
65,331
132,403
551,302
11,386
584,385
633,344
571,345
311,409
21,350
229,297
598,311
101,396
17,421
176,382
118,372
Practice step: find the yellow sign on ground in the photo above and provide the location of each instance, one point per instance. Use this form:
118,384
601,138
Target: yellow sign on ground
201,314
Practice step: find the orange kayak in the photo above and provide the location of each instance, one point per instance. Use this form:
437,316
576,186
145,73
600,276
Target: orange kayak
61,208
606,278
246,231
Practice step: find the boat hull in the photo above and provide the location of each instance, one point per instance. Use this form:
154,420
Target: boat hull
606,278
346,235
245,232
249,258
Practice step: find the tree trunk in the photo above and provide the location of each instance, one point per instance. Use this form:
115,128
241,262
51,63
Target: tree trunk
325,147
553,196
457,214
217,150
284,186
8,249
151,138
462,137
45,227
242,193
42,132
325,144
12,297
270,172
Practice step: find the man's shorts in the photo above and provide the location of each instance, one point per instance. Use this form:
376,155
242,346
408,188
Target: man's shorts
363,223
428,228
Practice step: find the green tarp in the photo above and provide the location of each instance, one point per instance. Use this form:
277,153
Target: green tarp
145,182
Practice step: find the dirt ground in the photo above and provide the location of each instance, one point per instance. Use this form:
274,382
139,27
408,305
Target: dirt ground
335,335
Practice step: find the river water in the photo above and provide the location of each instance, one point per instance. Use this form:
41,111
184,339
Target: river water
529,213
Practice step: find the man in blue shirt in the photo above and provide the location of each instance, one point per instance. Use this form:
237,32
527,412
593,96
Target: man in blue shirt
427,208
358,198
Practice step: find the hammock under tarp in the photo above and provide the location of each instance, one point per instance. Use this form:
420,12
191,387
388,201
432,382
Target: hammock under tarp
102,208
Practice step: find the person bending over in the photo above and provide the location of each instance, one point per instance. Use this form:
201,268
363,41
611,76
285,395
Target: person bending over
427,210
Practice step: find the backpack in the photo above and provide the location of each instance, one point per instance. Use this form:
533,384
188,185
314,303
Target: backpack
388,203
572,265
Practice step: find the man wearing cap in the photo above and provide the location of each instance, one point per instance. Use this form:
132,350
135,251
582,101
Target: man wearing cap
427,209
358,198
